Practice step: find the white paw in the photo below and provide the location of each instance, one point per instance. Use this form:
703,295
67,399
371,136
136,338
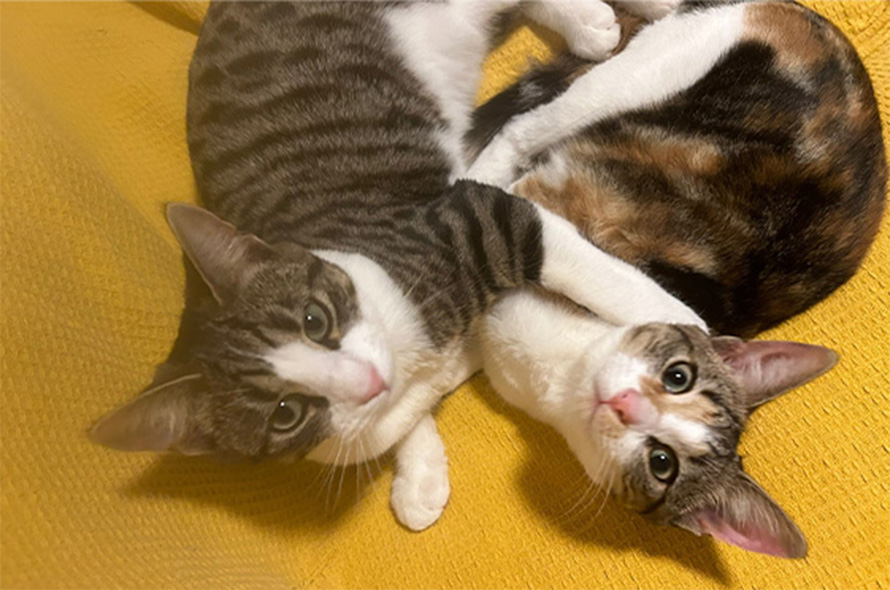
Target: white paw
595,44
497,164
593,33
652,9
419,497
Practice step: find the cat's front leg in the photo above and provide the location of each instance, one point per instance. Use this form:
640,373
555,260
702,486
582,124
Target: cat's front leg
420,488
611,288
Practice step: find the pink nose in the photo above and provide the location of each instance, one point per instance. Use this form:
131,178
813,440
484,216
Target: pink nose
627,405
376,386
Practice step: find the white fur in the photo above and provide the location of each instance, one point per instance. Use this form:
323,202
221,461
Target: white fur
555,362
420,489
662,60
622,372
418,377
391,336
337,375
444,45
651,9
613,289
674,428
589,27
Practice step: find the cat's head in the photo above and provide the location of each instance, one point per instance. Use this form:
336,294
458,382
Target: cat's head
278,353
663,414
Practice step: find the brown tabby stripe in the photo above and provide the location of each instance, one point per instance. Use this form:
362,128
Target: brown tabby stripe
303,128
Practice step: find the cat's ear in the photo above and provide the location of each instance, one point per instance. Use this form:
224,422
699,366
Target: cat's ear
225,257
767,369
157,420
741,513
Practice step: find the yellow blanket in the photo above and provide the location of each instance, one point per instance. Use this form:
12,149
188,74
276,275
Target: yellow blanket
93,143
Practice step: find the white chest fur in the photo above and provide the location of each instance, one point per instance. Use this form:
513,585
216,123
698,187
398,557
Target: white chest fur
443,45
421,376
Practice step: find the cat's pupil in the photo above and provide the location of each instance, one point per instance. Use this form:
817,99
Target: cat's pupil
288,414
678,378
316,322
313,323
662,463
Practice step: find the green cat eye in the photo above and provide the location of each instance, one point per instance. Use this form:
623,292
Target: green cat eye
316,322
678,378
663,463
289,414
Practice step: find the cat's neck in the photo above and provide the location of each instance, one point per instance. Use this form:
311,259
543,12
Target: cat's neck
541,355
568,344
421,371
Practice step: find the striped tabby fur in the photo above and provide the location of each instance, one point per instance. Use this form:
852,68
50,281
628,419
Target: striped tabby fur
336,304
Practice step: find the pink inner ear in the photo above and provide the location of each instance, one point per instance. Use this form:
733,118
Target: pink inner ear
757,540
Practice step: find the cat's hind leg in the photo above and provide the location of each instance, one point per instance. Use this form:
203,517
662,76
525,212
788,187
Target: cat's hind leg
420,488
663,60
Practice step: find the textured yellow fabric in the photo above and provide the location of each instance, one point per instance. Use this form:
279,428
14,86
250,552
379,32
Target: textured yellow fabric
92,145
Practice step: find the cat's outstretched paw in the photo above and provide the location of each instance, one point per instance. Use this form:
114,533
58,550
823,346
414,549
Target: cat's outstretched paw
420,488
418,499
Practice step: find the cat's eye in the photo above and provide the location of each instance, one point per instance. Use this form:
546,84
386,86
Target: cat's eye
678,378
663,463
289,414
316,322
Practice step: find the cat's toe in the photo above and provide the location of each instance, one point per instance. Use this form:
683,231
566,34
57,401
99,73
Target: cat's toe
595,43
653,9
418,502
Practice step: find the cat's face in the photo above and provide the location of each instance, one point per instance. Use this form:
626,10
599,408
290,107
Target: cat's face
281,354
662,415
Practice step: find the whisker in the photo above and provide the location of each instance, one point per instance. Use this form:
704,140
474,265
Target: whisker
569,515
343,469
334,467
605,496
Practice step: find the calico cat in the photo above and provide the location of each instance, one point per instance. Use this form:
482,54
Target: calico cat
654,412
338,303
732,151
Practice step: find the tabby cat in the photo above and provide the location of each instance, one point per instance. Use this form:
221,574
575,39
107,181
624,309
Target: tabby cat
734,153
343,307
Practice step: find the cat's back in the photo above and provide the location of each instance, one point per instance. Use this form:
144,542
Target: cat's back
752,194
302,108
